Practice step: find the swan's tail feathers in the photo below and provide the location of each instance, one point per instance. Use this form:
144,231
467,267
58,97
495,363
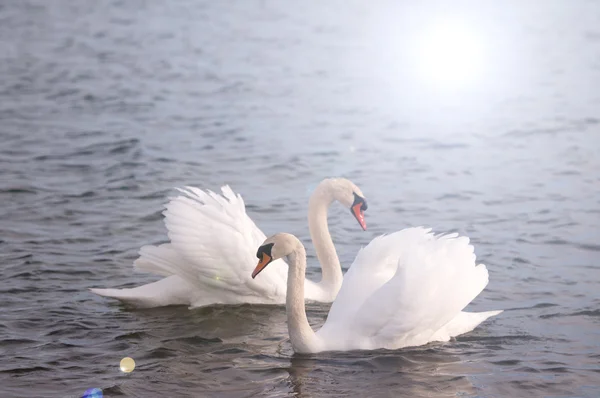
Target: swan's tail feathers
159,260
463,323
168,291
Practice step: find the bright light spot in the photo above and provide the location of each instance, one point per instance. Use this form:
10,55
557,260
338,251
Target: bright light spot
127,365
448,54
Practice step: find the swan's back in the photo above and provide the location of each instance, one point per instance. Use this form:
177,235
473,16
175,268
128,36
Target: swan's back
402,289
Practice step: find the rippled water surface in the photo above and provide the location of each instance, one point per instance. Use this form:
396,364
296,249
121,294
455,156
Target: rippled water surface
106,106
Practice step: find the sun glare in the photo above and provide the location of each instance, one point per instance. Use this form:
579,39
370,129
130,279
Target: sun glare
448,55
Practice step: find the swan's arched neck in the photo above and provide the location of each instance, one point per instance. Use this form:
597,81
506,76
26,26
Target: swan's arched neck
319,233
302,337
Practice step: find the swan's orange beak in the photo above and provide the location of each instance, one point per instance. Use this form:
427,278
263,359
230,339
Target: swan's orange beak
262,263
359,214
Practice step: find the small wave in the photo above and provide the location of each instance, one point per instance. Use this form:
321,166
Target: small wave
589,246
194,340
520,260
132,336
498,339
557,369
20,371
85,134
593,313
507,362
19,190
10,342
161,353
528,369
230,351
556,242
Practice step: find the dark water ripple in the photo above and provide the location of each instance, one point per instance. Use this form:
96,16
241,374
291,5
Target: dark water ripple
106,106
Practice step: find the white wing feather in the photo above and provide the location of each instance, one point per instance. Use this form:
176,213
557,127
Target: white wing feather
374,266
213,246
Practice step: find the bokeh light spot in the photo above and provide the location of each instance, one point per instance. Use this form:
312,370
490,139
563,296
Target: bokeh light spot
127,365
92,393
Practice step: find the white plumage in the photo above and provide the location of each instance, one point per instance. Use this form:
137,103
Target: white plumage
403,289
212,250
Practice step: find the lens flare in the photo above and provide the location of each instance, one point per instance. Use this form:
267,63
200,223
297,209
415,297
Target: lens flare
449,54
127,365
92,393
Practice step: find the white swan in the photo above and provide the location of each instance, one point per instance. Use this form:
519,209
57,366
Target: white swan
404,289
212,246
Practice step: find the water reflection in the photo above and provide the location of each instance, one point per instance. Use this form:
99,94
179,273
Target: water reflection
416,372
407,372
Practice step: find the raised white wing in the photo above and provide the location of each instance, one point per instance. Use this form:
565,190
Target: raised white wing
213,246
373,267
433,279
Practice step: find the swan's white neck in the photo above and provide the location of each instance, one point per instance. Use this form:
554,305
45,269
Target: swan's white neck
319,233
302,336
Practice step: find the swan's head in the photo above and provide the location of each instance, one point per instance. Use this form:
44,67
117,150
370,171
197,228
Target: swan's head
275,247
349,195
